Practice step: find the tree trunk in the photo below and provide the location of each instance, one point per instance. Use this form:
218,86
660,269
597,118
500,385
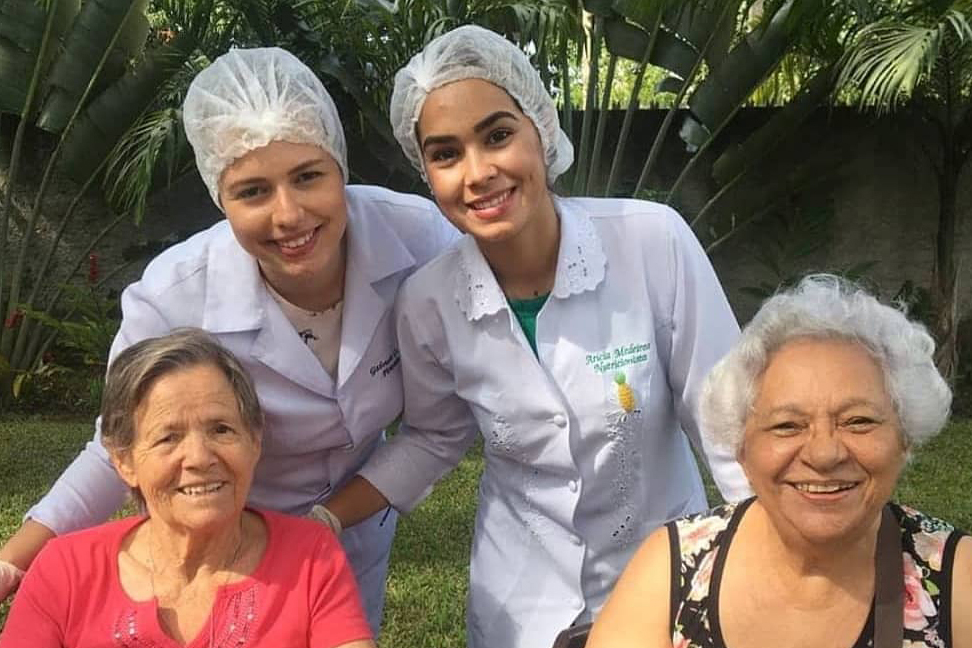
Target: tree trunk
945,273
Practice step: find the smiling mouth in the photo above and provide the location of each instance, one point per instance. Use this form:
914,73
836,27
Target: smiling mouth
297,244
197,490
824,489
491,202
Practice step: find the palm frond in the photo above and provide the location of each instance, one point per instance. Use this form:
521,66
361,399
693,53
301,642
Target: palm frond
888,61
135,162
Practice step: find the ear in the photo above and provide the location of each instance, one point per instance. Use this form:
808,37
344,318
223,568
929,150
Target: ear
124,464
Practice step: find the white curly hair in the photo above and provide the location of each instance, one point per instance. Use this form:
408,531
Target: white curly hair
825,306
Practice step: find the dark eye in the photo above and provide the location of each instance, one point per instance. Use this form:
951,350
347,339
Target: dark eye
499,135
785,427
308,176
859,423
249,193
163,440
443,155
223,428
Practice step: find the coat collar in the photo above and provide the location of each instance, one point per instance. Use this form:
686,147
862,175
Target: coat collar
580,266
237,298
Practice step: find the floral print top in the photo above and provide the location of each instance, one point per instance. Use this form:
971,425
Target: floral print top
699,544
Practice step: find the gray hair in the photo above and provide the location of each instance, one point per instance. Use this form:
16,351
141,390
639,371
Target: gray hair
828,307
137,368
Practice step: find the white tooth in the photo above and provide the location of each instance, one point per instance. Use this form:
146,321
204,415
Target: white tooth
297,242
821,488
492,202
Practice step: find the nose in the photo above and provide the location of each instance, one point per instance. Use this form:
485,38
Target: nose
287,210
825,448
197,452
479,168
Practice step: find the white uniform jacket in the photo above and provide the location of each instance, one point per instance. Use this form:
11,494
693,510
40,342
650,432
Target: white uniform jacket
318,432
578,469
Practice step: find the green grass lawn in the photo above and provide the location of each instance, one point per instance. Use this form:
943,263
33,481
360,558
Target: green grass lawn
427,583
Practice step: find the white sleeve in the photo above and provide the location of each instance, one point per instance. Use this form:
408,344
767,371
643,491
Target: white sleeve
703,330
437,426
89,491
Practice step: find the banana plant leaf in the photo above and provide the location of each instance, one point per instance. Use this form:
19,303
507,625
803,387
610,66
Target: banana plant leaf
600,8
782,125
729,84
643,13
21,29
696,21
629,41
92,31
105,120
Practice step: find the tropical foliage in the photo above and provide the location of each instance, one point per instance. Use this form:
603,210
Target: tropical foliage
918,58
101,81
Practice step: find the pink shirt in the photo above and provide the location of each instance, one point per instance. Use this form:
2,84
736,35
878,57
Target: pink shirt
302,594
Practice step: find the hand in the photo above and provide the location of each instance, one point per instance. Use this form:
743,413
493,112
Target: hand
324,515
10,576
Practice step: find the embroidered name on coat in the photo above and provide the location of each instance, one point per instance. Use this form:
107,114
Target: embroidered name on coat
618,357
387,365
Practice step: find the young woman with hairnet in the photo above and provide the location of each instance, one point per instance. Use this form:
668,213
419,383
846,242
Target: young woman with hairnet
298,282
573,333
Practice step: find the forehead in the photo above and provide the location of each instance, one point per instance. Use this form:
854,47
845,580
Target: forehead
460,104
195,391
275,157
807,369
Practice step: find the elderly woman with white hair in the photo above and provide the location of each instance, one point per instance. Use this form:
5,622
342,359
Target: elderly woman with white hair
821,401
298,281
572,333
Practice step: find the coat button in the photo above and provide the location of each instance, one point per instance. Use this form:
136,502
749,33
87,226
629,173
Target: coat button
560,420
572,485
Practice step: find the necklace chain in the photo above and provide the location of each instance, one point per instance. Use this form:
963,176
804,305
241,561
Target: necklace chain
226,567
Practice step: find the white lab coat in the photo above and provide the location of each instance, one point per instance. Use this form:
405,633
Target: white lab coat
318,432
573,482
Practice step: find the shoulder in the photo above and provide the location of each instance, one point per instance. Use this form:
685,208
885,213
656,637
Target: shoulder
697,533
932,542
178,265
88,548
415,221
433,281
293,535
629,213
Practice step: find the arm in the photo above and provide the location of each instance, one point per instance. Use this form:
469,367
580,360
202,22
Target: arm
36,617
89,491
636,614
704,329
337,619
437,426
962,594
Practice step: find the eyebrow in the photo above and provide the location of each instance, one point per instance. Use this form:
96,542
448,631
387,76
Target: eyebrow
480,126
842,407
303,166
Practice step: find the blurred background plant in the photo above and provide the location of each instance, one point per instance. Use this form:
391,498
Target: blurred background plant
90,93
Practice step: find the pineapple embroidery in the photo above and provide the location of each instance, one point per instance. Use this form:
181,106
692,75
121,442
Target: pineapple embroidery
625,395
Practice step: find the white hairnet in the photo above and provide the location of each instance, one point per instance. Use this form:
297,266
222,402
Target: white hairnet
471,52
248,98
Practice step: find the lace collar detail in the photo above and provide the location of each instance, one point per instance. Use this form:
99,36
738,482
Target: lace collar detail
581,265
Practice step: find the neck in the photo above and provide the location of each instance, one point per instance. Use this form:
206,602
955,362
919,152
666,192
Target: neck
810,571
184,555
526,265
317,292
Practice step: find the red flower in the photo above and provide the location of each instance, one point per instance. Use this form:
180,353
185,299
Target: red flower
14,319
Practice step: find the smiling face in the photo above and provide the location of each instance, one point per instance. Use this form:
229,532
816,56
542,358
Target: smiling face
484,161
823,447
192,457
286,205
